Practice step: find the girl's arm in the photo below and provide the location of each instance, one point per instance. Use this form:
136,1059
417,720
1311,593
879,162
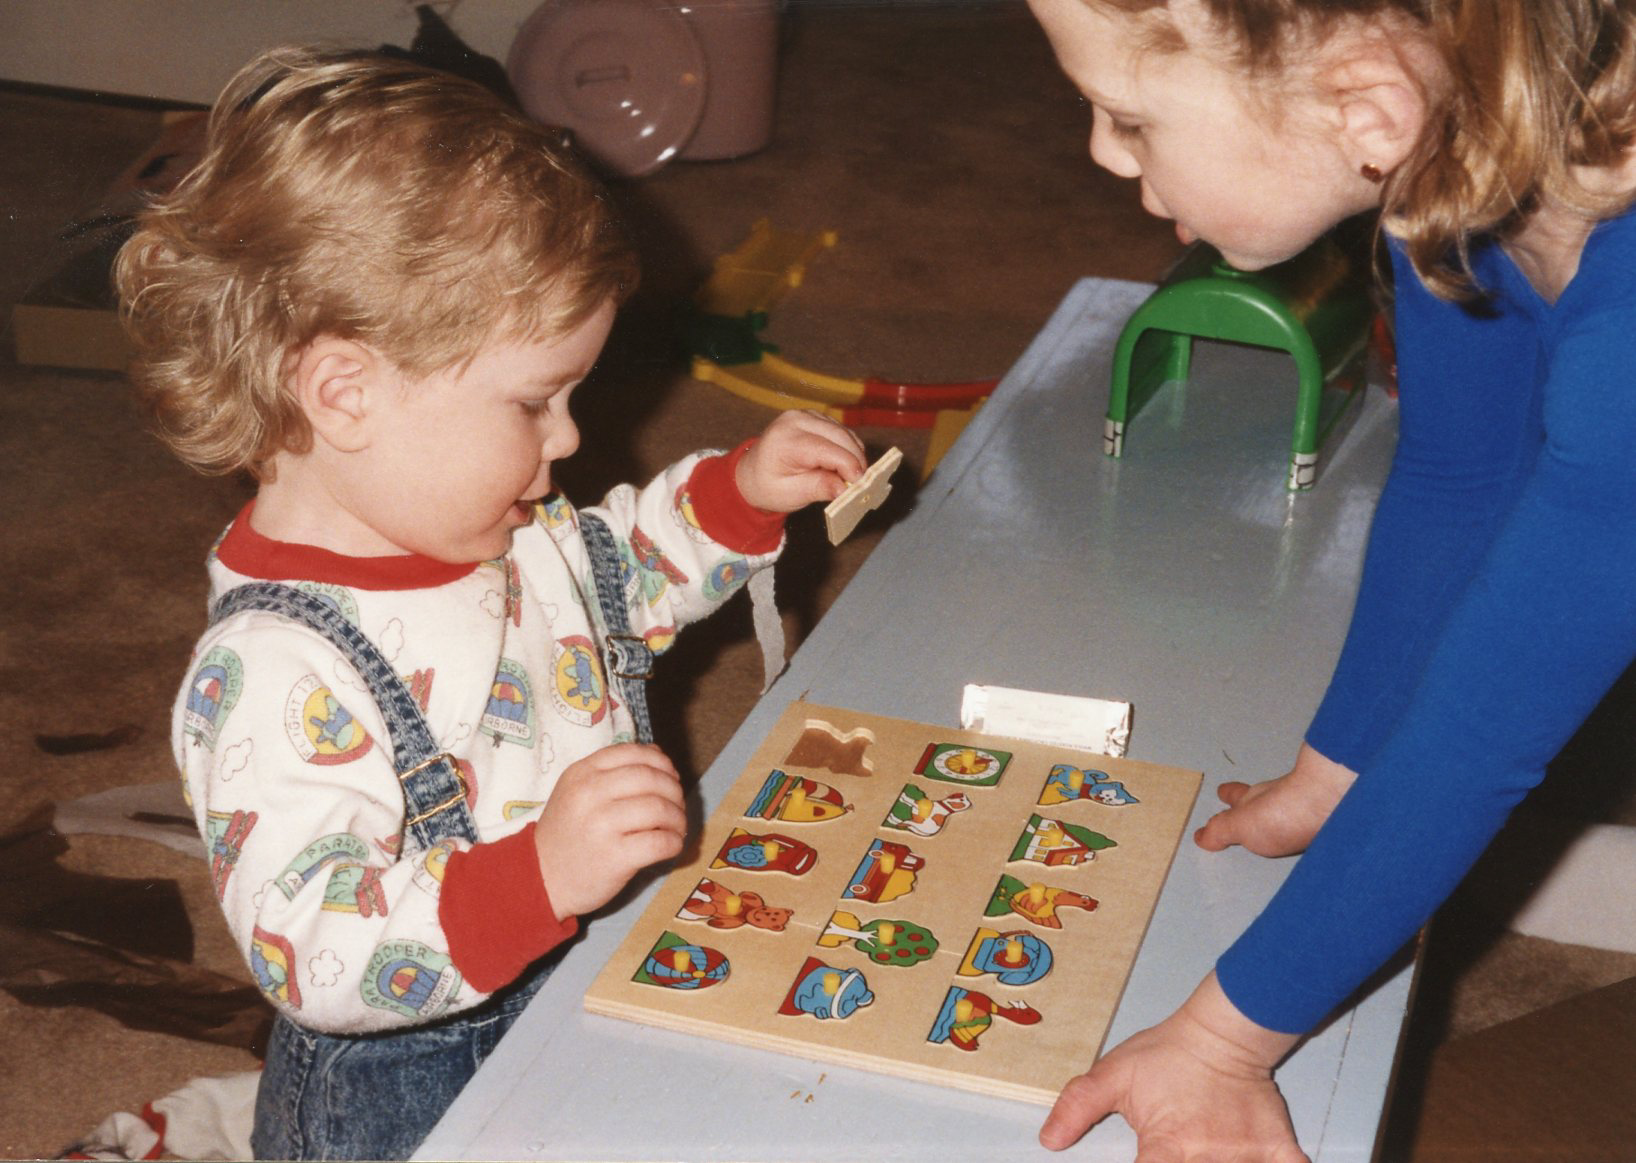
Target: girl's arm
1469,431
1532,642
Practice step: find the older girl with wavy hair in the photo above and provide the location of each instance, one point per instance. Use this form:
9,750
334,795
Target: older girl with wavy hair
1494,137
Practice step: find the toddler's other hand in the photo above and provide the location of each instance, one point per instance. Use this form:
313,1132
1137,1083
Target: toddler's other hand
802,457
611,815
1278,817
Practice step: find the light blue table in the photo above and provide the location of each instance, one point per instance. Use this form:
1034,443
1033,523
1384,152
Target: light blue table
1184,579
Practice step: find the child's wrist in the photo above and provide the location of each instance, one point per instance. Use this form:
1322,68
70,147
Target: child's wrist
722,511
1224,1034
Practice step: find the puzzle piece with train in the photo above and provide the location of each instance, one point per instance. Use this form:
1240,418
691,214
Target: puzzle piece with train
937,904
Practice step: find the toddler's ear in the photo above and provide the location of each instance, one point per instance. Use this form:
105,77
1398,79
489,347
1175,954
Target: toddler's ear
336,381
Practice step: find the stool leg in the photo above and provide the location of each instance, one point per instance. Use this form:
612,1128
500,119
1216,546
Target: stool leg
1303,460
1144,359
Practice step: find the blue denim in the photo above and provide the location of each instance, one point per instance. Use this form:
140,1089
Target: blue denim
375,1096
628,657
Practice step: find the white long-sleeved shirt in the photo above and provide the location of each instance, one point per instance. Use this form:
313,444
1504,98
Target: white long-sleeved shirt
288,766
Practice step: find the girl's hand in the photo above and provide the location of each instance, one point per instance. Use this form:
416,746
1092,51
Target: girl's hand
1195,1088
802,457
611,815
1280,816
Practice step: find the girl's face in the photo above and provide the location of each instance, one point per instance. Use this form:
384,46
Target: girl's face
1208,155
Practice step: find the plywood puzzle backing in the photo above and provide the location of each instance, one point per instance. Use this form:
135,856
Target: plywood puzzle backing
932,903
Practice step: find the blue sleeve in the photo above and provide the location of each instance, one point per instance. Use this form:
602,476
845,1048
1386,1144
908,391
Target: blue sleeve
1534,636
1469,429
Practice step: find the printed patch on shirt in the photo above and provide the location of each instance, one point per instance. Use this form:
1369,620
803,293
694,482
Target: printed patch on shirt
429,869
320,728
507,602
557,515
514,593
411,979
660,638
730,573
325,969
216,686
469,774
578,687
338,597
686,518
355,888
331,849
420,686
225,834
515,809
510,711
659,573
272,963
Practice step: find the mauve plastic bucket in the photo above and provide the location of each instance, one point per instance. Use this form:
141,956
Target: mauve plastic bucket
740,43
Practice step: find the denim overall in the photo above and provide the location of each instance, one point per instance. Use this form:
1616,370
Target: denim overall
377,1096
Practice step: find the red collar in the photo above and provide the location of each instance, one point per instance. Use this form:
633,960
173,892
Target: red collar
245,551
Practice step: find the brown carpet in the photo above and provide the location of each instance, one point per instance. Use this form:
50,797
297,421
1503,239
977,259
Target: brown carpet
948,153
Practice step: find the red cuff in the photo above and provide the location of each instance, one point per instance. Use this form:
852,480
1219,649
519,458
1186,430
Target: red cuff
495,912
723,513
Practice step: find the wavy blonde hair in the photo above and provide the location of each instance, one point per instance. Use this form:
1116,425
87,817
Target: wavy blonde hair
363,197
1536,88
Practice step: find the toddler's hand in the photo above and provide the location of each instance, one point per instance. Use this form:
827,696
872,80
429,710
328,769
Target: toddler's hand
802,457
1278,817
611,815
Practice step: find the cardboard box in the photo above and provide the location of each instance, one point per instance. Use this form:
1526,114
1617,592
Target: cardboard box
69,319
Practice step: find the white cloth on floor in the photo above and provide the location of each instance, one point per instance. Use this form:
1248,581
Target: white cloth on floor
209,1118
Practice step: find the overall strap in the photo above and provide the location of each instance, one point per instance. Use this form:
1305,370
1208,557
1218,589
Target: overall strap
626,656
434,791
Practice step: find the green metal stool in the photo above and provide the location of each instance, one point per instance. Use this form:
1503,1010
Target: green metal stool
1316,306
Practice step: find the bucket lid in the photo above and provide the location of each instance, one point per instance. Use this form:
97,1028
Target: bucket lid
626,76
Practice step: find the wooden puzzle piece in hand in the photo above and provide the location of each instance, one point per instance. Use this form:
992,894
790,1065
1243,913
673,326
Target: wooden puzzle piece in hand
887,895
841,516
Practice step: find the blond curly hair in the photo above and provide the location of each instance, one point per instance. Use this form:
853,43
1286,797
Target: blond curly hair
363,197
1536,89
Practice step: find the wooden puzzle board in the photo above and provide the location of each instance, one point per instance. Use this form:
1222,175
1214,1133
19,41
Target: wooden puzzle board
730,979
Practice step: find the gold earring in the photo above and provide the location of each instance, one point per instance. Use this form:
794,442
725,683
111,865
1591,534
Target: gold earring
1372,172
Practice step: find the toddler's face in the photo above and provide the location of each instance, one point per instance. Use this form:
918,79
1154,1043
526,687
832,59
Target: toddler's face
1190,129
463,453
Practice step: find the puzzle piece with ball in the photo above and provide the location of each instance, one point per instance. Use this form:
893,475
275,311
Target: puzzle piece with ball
936,904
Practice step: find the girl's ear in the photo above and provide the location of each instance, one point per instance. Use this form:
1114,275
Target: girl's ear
1381,89
337,383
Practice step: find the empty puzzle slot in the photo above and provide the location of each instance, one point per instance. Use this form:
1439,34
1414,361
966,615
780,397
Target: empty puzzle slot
823,745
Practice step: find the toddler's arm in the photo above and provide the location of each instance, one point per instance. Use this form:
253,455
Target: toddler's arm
801,458
611,815
697,532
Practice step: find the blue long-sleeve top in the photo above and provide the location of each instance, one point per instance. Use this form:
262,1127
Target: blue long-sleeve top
1497,606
